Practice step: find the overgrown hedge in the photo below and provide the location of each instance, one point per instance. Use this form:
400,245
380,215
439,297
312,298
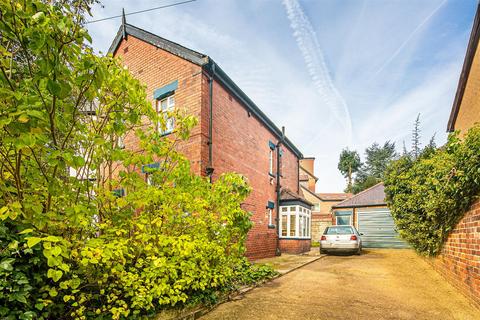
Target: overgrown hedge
428,195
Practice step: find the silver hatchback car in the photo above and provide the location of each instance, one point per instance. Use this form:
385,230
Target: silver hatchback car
341,239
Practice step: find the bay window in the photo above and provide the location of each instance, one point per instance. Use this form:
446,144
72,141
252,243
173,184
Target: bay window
295,222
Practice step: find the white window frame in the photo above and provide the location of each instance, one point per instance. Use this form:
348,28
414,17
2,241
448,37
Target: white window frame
303,222
149,179
165,109
270,159
316,206
270,216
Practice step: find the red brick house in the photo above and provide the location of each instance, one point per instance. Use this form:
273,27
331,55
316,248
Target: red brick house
233,135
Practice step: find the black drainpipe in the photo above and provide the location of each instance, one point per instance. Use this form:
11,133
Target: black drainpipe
278,187
209,169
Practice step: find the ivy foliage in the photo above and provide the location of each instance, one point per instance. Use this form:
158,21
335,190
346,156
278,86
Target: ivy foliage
70,247
428,194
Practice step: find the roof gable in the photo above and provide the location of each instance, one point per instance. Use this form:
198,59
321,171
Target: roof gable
373,196
209,66
467,65
183,52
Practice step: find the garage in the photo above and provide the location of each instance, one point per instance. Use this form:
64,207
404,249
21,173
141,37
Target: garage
378,229
368,212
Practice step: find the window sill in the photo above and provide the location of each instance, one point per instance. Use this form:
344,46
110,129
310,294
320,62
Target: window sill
271,226
295,238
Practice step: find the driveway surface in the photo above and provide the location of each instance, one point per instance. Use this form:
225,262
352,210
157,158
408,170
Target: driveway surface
380,284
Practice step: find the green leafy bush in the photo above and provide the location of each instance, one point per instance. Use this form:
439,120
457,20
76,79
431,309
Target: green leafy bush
428,195
71,247
252,273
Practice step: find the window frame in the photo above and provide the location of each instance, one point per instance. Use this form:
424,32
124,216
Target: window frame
300,216
343,216
271,161
170,107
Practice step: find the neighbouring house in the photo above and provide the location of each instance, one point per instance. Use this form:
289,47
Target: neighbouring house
322,202
233,135
459,260
368,212
466,105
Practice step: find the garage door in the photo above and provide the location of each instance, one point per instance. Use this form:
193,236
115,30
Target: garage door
378,229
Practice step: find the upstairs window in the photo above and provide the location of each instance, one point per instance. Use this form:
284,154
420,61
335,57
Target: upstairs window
165,107
271,157
270,207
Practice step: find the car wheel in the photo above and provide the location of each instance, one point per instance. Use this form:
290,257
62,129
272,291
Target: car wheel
359,251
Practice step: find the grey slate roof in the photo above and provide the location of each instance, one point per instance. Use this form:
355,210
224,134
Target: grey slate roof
289,195
212,68
373,196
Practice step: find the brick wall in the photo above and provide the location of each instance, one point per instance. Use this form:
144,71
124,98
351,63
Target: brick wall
319,223
295,246
241,144
240,141
459,261
156,68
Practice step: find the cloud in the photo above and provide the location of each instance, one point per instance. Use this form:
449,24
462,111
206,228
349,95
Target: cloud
432,99
410,36
306,82
309,46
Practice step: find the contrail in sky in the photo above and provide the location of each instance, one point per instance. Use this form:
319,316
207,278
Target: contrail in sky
308,44
414,32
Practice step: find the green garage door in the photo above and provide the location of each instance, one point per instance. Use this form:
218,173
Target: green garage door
378,229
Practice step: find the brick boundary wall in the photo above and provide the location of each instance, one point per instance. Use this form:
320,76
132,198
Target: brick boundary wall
319,222
295,246
459,261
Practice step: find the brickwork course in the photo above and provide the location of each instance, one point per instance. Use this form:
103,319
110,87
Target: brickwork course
242,136
459,261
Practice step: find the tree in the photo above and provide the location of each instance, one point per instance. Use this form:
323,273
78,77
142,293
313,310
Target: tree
372,171
416,144
348,165
72,247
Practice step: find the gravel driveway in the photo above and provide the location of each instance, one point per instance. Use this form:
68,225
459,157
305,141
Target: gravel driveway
380,284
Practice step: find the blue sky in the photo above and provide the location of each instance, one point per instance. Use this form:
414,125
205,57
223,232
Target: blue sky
335,73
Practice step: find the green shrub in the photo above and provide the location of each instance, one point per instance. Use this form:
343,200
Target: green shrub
75,248
429,195
253,273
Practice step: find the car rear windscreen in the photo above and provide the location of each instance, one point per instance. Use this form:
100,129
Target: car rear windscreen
339,230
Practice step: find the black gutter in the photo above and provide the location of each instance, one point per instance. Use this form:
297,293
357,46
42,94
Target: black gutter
209,169
278,252
298,176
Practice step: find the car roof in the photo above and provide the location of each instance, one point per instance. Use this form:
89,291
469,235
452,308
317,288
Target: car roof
340,227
